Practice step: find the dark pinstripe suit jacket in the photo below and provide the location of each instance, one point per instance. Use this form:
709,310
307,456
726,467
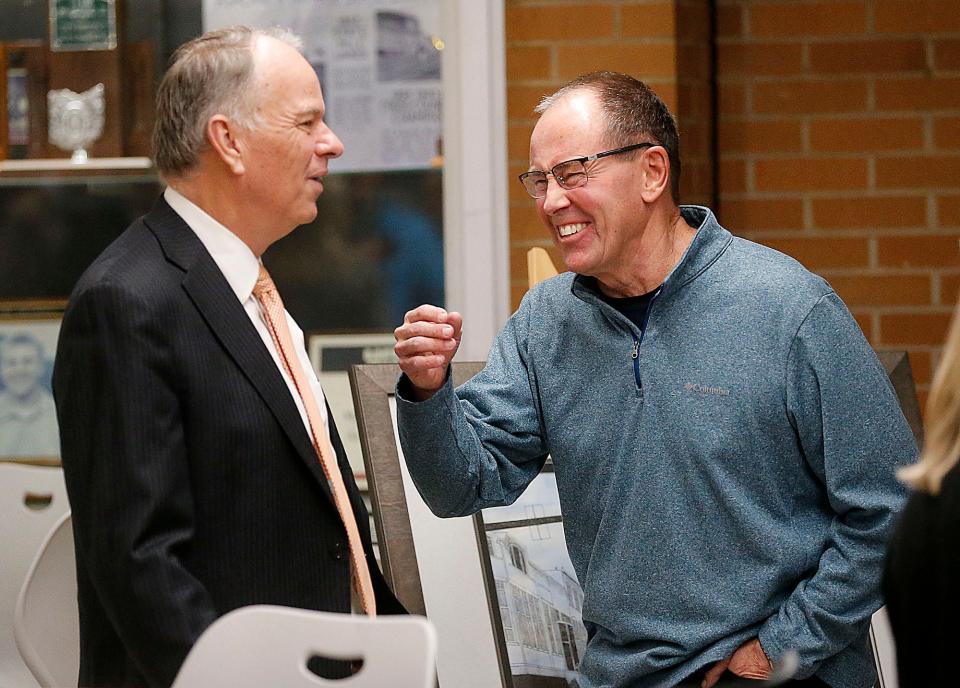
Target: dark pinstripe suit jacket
194,486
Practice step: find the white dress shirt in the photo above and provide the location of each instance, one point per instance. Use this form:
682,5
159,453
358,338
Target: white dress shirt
241,269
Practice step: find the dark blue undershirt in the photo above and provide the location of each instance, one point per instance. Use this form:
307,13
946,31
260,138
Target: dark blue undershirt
635,308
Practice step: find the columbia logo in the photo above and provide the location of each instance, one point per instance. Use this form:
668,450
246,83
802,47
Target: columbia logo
704,389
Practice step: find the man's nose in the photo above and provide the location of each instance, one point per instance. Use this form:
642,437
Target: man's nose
329,145
556,197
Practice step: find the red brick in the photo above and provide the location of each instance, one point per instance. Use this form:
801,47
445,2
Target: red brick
806,19
760,136
864,322
732,175
559,22
905,329
731,99
760,213
527,62
949,288
695,99
648,20
916,16
525,224
868,56
883,290
869,213
693,61
729,21
866,134
822,253
755,59
920,366
919,171
693,16
948,210
919,250
946,132
946,54
810,174
918,93
641,61
696,185
522,99
667,90
847,95
518,143
695,139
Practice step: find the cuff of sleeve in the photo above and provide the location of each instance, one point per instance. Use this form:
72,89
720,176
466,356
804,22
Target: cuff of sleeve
404,390
770,643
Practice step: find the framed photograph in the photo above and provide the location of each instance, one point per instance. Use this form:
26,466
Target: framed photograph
499,586
331,356
28,419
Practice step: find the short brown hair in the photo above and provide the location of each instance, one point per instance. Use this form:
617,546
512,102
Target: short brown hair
632,112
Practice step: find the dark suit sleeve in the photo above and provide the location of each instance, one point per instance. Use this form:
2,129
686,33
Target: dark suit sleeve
127,474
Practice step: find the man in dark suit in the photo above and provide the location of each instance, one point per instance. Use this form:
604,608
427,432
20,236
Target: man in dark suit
188,451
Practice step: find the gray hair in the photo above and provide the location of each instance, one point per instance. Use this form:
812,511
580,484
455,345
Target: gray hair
211,74
631,111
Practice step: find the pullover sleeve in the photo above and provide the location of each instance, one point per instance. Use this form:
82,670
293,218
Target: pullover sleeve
853,436
480,445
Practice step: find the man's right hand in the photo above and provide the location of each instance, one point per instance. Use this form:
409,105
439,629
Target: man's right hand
426,343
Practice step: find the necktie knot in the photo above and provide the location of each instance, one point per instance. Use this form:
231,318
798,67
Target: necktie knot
264,284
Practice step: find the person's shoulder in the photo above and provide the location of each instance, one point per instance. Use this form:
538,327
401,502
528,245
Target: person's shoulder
131,261
753,267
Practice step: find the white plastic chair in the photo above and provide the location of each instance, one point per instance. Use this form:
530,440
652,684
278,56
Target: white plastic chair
32,499
265,645
46,622
884,649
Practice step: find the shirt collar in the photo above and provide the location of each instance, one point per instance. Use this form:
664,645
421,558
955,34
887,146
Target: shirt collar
234,258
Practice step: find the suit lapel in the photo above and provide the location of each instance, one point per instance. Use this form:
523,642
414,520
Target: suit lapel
226,317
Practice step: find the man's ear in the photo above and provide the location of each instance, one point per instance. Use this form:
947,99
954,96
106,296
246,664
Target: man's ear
655,168
222,137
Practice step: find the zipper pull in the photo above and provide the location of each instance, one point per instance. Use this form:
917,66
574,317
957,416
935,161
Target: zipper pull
636,350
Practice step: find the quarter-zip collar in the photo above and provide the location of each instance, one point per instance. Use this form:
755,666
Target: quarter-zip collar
709,243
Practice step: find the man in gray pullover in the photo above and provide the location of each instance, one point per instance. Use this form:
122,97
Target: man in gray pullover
723,436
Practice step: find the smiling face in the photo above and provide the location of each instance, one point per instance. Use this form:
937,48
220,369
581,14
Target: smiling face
288,151
597,227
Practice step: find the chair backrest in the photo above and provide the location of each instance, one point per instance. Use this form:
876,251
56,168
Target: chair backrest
32,499
46,623
265,645
884,649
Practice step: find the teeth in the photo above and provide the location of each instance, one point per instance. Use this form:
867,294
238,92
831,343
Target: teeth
567,230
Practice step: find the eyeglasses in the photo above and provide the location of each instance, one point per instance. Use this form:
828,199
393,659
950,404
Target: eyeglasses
570,173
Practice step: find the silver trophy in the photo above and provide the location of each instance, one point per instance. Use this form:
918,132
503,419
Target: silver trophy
75,120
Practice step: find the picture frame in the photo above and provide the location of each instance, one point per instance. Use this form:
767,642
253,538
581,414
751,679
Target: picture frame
442,567
331,356
28,342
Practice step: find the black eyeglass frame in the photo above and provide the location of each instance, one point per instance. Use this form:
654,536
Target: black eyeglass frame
583,161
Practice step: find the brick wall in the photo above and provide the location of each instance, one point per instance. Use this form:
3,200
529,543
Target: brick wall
839,144
837,137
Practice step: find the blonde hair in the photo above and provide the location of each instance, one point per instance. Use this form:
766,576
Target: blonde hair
941,445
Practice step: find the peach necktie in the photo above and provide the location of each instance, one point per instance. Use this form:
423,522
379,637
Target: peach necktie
266,293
